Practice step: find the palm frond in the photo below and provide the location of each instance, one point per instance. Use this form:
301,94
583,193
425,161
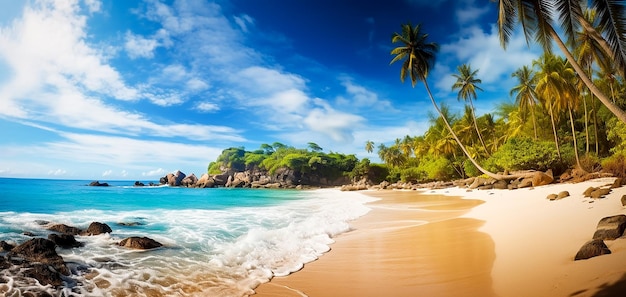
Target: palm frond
611,16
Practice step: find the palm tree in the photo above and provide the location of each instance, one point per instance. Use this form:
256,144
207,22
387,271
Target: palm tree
369,146
419,56
555,85
536,18
526,96
467,84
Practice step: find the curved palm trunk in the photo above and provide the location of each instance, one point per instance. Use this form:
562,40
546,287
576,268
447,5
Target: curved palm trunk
556,138
618,112
571,120
467,154
480,137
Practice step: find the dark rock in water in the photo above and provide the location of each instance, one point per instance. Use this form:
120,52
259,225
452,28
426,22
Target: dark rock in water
4,263
623,200
143,243
44,275
139,184
30,234
130,224
610,227
65,229
65,241
97,228
590,249
98,184
40,250
5,246
42,222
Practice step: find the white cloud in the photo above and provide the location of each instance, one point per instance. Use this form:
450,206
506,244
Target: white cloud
107,173
93,5
467,12
483,51
139,47
243,21
359,96
58,172
156,172
207,107
196,85
337,125
113,151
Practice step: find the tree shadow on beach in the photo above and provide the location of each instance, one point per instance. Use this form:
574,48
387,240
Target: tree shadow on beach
617,288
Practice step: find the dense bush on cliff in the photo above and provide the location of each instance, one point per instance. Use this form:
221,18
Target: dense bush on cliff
311,164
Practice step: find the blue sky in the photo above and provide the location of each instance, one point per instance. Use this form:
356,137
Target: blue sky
104,89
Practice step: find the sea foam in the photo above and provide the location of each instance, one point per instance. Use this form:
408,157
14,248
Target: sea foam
226,251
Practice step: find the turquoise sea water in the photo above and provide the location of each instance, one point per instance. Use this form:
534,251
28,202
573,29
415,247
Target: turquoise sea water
218,242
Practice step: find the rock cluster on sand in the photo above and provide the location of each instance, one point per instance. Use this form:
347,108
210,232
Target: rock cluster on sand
37,258
609,228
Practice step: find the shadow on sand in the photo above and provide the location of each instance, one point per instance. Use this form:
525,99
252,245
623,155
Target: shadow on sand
617,288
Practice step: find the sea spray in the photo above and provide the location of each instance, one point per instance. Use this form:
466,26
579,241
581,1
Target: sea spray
218,242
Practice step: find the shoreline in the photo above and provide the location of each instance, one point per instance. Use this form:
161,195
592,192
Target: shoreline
492,243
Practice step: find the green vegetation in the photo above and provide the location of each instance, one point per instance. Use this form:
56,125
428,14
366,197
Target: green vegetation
311,161
568,111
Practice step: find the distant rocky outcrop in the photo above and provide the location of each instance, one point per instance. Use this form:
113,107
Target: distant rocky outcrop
98,184
253,178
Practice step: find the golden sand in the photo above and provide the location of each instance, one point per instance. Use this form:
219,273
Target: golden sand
408,245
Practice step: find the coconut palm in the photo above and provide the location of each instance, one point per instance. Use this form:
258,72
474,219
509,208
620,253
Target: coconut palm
537,21
369,146
418,57
555,84
467,84
526,97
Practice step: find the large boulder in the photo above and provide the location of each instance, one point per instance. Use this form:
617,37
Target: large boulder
610,227
205,181
65,229
542,179
175,179
189,181
592,248
97,228
65,241
45,276
142,243
600,193
40,250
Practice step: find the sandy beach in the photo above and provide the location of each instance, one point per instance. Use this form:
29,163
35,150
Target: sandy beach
452,242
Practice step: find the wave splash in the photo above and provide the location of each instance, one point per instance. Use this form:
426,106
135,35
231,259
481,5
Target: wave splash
226,252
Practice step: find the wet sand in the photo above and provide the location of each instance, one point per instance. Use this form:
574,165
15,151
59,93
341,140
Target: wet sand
408,245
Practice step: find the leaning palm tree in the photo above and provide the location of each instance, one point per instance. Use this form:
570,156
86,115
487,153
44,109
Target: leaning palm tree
537,21
418,57
526,97
467,84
